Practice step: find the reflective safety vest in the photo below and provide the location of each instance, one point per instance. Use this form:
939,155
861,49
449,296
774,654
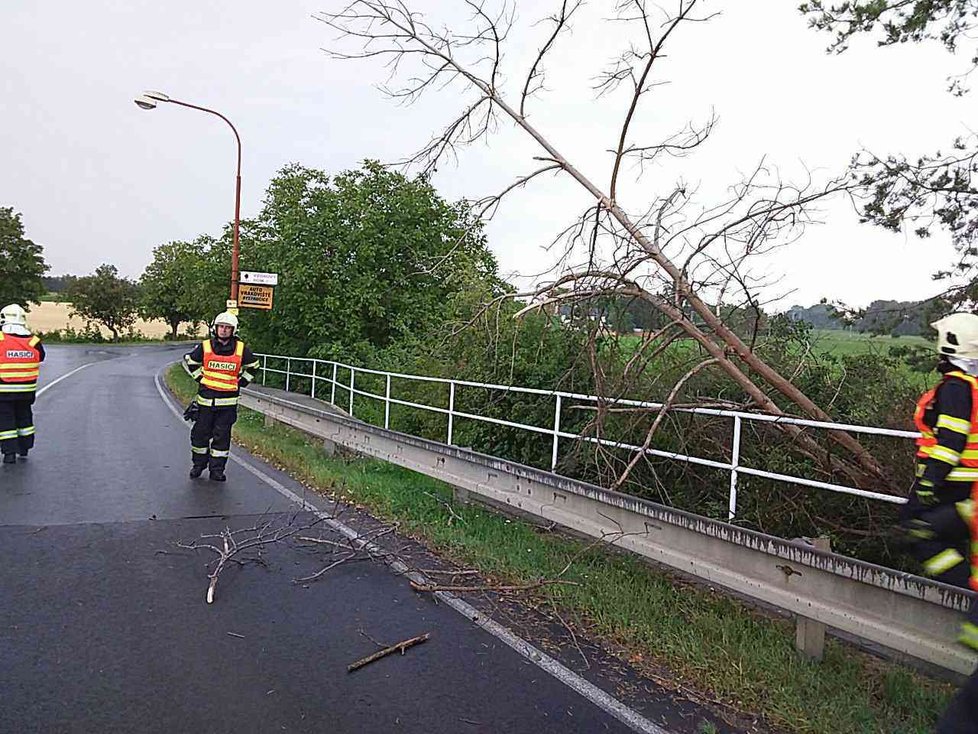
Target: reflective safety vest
220,371
20,363
966,466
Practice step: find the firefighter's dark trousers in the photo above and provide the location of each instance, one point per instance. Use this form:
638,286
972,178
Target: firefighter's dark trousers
941,539
210,438
961,716
16,425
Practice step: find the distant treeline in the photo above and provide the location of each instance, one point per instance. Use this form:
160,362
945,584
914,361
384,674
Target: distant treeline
57,283
895,318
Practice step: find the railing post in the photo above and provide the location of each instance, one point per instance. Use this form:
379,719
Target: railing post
451,411
313,393
288,372
734,463
264,367
353,374
332,394
553,458
387,404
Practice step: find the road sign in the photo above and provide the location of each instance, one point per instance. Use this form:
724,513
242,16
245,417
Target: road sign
232,304
253,278
255,296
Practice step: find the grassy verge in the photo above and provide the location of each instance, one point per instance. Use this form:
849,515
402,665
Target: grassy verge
708,642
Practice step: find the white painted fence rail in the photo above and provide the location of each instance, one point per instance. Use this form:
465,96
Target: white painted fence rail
325,374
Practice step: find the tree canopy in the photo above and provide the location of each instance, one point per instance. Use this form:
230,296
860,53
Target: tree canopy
183,282
21,262
105,298
365,259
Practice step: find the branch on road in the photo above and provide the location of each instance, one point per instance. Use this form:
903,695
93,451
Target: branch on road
399,647
246,545
360,548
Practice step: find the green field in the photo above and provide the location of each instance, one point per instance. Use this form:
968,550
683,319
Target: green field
852,342
828,341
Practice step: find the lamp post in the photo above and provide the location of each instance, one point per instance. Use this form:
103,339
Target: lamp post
148,101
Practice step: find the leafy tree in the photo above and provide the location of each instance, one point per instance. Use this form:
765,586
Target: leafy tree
933,191
21,262
170,285
105,298
366,259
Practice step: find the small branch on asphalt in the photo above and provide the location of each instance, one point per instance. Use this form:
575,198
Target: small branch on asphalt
244,545
399,647
356,549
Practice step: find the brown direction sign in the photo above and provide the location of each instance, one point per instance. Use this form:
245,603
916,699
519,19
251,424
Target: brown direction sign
255,296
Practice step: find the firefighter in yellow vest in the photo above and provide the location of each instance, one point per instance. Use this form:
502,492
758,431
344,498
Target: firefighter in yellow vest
940,517
21,355
222,365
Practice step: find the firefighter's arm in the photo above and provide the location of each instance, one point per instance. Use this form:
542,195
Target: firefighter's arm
953,402
40,348
249,367
193,362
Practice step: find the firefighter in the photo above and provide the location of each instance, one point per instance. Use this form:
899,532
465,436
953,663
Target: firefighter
939,517
21,355
222,365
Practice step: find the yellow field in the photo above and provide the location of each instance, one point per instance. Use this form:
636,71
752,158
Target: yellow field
50,316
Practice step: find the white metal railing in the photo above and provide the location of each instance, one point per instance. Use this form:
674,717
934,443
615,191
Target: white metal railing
317,375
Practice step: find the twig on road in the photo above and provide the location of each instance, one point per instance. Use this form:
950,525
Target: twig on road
399,647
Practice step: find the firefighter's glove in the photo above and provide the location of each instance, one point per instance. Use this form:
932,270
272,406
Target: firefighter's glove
924,491
190,414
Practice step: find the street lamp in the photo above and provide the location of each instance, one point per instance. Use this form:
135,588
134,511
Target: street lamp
148,101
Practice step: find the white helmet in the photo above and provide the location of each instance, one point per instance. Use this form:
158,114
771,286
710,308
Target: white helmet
228,319
14,315
957,335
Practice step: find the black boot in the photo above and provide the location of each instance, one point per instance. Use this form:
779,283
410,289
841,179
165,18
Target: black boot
196,470
23,453
10,458
217,475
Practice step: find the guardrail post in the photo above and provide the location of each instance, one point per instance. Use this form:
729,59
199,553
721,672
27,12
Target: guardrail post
332,394
353,374
451,411
387,404
288,372
553,458
809,634
734,463
313,393
264,368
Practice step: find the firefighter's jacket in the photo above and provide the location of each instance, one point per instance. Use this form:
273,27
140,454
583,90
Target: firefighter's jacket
20,366
221,369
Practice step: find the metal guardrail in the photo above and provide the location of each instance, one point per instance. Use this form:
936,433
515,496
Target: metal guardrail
897,611
327,373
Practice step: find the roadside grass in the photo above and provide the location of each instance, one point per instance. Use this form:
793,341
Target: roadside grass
708,642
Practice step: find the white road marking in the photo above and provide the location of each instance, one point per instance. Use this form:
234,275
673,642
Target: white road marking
63,377
558,670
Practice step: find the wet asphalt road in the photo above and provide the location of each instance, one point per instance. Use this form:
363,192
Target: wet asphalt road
100,631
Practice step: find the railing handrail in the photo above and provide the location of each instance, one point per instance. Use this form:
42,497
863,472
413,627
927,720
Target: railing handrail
720,412
734,466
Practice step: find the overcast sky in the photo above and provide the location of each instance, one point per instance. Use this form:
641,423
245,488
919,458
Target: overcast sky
98,180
